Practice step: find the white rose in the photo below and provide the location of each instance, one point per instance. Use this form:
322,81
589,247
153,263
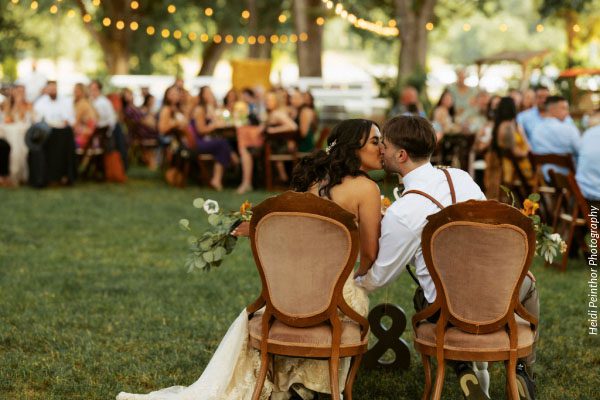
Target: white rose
211,206
556,238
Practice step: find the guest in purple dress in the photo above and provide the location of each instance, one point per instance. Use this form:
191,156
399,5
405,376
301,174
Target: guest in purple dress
203,123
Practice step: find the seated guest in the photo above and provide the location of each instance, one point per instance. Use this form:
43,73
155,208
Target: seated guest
85,116
4,163
531,117
16,108
17,115
148,107
204,122
554,134
53,110
443,116
229,100
528,100
588,166
506,139
408,103
305,116
254,107
107,117
277,121
143,123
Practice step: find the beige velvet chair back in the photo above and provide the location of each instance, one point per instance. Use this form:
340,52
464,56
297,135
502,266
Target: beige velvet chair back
477,254
305,248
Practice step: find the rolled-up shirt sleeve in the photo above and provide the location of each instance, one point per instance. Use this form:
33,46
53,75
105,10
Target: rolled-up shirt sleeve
397,247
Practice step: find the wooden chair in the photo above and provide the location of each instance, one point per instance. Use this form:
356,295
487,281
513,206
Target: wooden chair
305,248
138,145
477,254
456,151
272,142
91,157
521,183
541,185
571,213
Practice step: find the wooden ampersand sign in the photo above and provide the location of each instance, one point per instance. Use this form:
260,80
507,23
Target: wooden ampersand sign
388,338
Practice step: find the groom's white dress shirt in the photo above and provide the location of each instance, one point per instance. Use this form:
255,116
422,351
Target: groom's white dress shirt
403,223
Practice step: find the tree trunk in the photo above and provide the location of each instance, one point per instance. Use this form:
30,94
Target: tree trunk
253,50
309,52
116,56
210,57
570,20
413,36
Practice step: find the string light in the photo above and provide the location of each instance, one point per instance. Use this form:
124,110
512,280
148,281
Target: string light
241,40
171,9
71,13
293,38
303,37
134,5
320,21
274,39
376,27
120,25
251,39
15,1
106,21
429,26
466,27
503,27
34,5
217,38
229,39
95,3
150,30
329,4
177,34
282,18
245,14
283,39
165,33
134,26
204,37
539,28
192,36
208,11
576,28
53,9
261,39
87,18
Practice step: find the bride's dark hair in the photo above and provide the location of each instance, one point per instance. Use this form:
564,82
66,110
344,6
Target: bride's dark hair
338,161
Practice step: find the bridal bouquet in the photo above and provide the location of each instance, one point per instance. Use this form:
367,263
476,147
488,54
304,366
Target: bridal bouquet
209,248
548,244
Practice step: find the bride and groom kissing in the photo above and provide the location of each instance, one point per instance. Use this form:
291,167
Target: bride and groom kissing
387,245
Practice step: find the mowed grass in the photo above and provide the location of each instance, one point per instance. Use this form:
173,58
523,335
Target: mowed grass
94,299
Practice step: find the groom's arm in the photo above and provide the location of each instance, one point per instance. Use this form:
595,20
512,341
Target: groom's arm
397,247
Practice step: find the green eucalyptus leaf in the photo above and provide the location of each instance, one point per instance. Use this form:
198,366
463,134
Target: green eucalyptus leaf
199,262
184,224
219,252
198,203
208,256
205,245
535,197
214,219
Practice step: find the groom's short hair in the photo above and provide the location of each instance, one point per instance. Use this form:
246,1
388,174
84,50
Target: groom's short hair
412,133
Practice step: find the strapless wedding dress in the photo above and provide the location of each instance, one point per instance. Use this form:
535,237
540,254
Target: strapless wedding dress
232,370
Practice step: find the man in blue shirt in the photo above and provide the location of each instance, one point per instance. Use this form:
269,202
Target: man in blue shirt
555,134
588,166
531,117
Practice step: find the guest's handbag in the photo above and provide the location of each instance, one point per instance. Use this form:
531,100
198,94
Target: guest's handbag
114,169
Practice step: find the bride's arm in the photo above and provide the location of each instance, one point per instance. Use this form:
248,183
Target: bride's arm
369,214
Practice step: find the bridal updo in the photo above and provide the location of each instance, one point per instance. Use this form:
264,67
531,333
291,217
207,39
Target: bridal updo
330,166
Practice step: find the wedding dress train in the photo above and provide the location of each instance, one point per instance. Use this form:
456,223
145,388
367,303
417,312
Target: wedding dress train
232,370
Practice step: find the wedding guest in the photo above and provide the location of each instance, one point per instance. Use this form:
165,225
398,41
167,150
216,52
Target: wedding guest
148,107
204,122
17,115
506,139
533,116
107,117
528,100
407,145
555,134
517,97
16,108
85,116
588,166
408,103
171,117
4,163
229,100
305,117
443,116
462,95
52,109
250,97
248,137
143,123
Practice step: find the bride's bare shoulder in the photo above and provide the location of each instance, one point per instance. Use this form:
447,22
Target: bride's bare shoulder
362,185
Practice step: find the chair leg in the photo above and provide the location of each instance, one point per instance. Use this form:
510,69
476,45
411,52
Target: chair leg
427,368
511,377
439,379
352,376
265,360
334,377
570,234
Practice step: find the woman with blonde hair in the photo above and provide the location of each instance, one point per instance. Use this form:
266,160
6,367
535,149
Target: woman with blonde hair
85,116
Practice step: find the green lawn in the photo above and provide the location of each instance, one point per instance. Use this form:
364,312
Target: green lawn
94,299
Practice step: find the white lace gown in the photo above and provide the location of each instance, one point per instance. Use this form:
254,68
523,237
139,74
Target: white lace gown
14,134
231,372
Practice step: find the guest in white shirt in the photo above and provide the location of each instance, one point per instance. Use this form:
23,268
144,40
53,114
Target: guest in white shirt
408,143
52,109
107,117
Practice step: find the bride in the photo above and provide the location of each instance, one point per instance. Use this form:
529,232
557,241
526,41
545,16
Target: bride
338,173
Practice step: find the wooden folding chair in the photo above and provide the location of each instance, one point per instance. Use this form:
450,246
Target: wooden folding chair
521,183
540,185
91,157
138,145
477,253
305,248
571,214
273,141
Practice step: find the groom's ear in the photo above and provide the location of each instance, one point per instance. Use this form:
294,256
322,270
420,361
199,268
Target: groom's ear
402,156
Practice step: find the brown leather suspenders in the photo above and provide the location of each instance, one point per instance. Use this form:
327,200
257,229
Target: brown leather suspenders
434,201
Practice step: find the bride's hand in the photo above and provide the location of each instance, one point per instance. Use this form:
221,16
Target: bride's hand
242,229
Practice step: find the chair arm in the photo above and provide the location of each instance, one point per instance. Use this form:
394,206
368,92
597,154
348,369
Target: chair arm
526,315
362,321
425,313
257,305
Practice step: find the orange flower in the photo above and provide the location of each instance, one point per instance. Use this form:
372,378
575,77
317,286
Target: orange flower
245,207
529,207
385,202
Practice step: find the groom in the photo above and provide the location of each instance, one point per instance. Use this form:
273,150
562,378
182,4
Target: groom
407,145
